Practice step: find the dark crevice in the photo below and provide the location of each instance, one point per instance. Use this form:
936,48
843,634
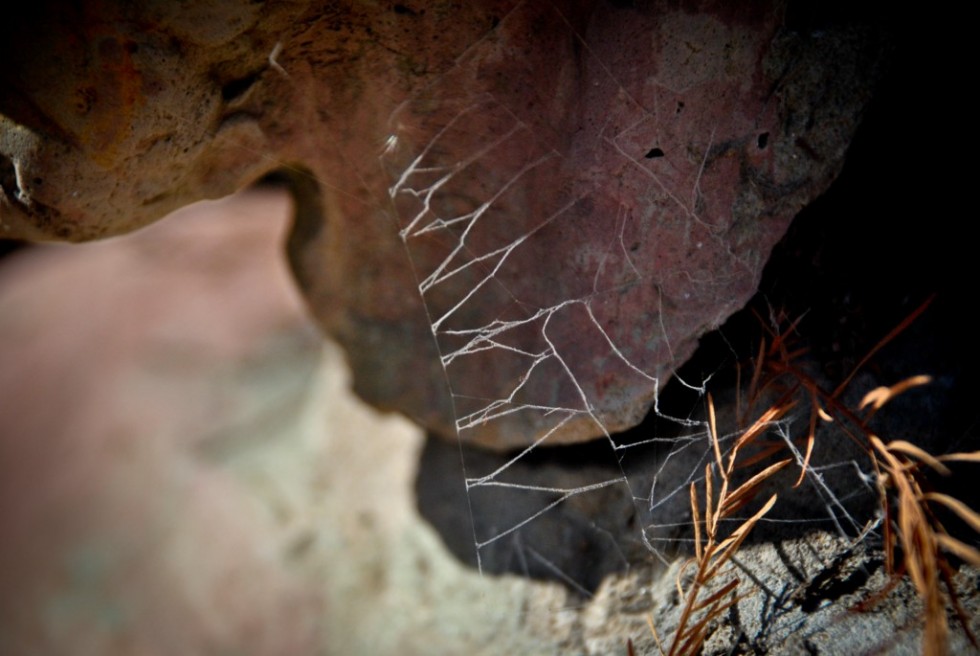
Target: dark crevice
569,544
237,88
654,153
8,178
404,11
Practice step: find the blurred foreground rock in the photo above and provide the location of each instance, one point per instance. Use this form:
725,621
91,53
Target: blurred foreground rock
582,189
183,469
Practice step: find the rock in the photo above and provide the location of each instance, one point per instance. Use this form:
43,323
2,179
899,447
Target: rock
798,598
183,469
543,204
134,370
828,272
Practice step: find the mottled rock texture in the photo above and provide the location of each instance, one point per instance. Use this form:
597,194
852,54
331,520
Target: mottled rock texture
578,189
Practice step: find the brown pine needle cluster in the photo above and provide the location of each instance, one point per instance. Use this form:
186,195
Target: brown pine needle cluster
919,533
712,551
915,541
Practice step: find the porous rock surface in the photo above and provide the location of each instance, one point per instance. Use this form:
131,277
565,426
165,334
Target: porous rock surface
579,190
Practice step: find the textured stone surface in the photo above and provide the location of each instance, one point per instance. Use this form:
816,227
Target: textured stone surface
583,188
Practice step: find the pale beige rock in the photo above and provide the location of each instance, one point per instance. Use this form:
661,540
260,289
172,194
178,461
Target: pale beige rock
200,484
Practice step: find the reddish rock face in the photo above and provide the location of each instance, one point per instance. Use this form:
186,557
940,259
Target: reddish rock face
543,205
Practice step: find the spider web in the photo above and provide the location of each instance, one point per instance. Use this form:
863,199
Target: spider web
468,175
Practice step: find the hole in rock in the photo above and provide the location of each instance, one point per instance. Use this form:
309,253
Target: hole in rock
8,178
237,88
